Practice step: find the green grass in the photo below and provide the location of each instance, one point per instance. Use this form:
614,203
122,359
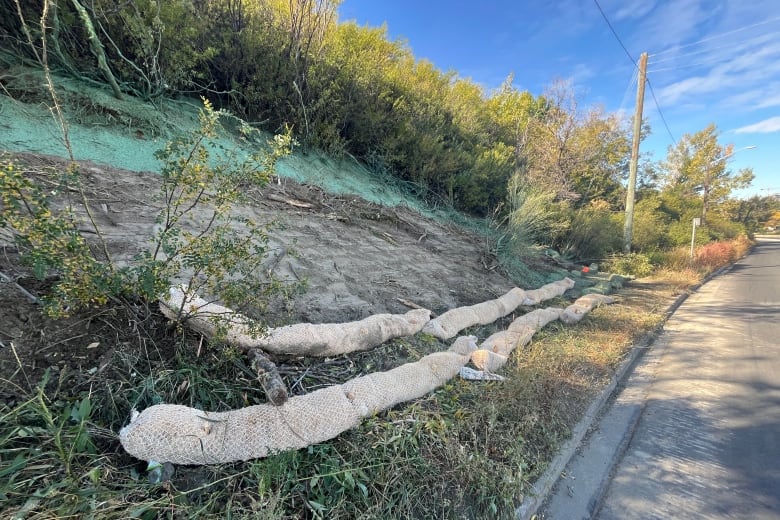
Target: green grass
468,450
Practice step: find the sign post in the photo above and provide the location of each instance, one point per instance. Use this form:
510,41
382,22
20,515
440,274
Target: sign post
696,222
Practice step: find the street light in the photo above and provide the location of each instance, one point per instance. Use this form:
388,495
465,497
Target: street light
731,154
699,221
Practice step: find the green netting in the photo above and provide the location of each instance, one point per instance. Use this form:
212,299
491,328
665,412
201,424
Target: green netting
126,133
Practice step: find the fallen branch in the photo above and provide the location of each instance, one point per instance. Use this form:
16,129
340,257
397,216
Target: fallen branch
33,299
269,378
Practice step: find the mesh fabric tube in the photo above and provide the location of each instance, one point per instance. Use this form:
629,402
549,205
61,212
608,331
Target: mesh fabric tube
184,435
307,339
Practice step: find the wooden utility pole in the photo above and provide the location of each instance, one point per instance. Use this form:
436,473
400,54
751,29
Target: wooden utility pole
628,228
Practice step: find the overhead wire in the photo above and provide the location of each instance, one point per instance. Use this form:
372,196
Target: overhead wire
711,61
709,49
660,113
716,36
631,83
636,66
615,33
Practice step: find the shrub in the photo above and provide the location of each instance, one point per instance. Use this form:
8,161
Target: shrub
678,258
595,232
720,228
535,217
650,227
50,242
742,245
198,238
632,264
714,255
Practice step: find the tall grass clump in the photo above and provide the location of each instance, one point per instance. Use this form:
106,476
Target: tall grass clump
535,217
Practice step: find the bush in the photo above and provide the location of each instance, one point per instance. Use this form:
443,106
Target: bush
715,255
535,217
632,264
197,236
676,259
50,242
707,258
720,228
595,233
650,227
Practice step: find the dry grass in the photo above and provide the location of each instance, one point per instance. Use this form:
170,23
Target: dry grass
468,450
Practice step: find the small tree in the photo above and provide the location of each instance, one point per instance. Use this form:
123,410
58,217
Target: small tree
199,239
697,165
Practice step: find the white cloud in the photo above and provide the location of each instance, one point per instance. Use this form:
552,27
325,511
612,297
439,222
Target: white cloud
628,10
767,126
581,73
750,68
671,24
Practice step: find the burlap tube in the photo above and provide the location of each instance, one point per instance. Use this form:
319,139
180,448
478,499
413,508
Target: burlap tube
487,360
520,331
382,390
453,321
583,305
548,292
464,345
301,339
183,435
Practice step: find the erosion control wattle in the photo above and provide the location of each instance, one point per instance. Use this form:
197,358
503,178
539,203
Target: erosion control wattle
183,435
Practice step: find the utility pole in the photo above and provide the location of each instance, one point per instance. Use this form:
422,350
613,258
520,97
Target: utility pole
628,228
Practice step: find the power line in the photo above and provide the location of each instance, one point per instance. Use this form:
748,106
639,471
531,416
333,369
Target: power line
711,61
716,36
711,49
634,78
657,106
615,33
655,100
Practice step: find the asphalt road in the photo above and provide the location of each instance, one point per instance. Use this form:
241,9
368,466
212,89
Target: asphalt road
691,427
707,443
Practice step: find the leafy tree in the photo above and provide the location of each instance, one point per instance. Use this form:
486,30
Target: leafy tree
753,213
581,155
697,165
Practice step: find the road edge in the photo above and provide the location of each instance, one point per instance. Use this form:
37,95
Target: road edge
544,485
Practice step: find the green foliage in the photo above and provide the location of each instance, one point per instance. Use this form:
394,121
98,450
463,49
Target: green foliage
632,264
595,233
650,225
44,436
697,165
198,239
198,236
534,216
50,242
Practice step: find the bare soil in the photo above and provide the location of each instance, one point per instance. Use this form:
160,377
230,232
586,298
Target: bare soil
358,258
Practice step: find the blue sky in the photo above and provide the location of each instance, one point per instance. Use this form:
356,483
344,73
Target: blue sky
710,61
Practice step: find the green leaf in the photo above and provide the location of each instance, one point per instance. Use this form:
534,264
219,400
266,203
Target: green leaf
16,465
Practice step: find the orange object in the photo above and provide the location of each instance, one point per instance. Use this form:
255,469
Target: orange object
586,269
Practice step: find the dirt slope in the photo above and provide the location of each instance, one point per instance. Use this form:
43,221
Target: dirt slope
358,258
